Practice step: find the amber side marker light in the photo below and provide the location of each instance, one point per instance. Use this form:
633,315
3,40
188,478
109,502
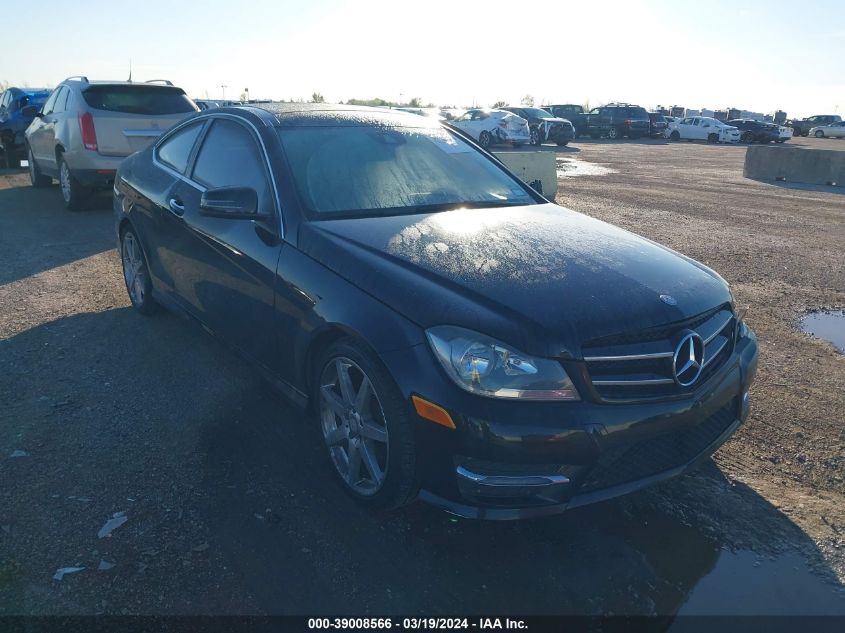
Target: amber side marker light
432,412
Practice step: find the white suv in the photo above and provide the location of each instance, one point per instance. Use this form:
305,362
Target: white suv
86,128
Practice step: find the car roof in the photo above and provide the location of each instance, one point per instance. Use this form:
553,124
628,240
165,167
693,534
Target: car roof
326,115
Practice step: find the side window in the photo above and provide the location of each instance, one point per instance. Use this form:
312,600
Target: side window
595,111
4,102
229,156
176,150
61,100
48,107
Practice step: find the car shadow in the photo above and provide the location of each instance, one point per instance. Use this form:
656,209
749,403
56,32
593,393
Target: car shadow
172,425
37,233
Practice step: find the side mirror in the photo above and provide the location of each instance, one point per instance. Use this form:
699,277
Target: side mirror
234,203
31,111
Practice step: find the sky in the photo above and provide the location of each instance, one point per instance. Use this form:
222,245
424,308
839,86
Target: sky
758,56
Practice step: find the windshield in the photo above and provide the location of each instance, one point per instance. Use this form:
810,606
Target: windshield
367,170
138,99
538,113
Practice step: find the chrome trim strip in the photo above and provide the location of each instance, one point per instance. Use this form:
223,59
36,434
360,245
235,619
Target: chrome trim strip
719,330
715,354
591,359
511,480
630,383
143,133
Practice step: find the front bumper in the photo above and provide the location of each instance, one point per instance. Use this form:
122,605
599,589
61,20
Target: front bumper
512,460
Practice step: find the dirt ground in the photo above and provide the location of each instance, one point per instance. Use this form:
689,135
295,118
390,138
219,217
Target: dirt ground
229,502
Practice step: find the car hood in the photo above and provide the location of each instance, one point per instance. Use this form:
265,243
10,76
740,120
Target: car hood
541,277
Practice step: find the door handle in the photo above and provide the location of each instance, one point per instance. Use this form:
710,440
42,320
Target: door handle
176,206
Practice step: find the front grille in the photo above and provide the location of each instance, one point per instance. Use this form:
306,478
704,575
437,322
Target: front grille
657,455
637,366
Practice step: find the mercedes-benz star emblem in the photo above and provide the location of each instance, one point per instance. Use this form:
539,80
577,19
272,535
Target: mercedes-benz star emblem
669,300
688,360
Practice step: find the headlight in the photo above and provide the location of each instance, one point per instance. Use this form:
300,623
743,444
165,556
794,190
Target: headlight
487,367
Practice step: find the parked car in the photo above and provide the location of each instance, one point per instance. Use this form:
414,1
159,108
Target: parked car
543,126
490,127
831,130
751,131
702,128
13,121
802,128
616,120
86,128
784,133
206,104
657,124
455,337
573,113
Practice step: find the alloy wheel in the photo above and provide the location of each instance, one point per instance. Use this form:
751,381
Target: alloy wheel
134,269
64,181
354,426
612,133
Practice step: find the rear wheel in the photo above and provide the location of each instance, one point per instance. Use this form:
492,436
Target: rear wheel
367,426
136,274
73,193
36,178
485,140
819,134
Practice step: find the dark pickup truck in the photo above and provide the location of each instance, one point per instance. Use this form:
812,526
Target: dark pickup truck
573,113
802,128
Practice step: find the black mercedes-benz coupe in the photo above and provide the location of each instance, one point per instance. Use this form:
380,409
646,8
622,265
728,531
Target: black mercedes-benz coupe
456,337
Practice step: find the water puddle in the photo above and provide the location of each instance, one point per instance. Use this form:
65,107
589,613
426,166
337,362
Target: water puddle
571,167
744,583
828,325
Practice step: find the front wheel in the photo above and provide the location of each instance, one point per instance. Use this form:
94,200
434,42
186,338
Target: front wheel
712,138
747,137
675,135
136,274
613,134
367,426
73,193
819,134
485,140
535,137
36,178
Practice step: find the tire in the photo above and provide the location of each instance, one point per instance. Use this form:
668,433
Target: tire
535,137
712,138
73,193
819,134
36,178
574,132
747,137
675,135
562,143
136,274
613,134
485,139
375,425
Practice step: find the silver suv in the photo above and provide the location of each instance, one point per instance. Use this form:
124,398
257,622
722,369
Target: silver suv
86,128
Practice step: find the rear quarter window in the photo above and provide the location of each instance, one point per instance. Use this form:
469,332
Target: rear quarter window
150,100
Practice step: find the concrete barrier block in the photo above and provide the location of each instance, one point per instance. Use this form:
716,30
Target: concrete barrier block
533,168
795,164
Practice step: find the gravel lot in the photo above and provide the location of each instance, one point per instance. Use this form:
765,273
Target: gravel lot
230,504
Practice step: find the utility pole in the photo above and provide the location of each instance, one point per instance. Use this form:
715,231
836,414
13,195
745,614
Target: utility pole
224,91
